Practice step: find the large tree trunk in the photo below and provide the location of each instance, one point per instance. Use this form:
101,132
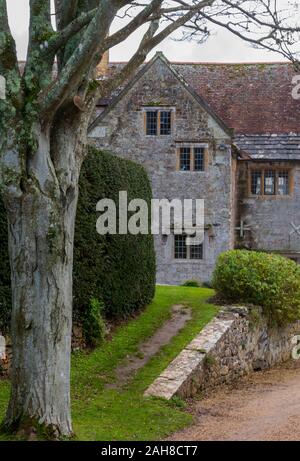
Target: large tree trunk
41,234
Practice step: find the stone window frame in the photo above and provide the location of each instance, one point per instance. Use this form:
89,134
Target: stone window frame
188,259
266,167
158,109
192,146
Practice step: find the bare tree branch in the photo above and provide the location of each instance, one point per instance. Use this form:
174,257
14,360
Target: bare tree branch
139,20
177,23
122,34
148,42
80,60
256,18
250,25
84,19
106,87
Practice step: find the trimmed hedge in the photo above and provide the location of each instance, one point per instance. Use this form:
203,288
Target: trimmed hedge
267,280
116,270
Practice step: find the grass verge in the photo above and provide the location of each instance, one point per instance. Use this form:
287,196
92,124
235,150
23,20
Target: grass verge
102,413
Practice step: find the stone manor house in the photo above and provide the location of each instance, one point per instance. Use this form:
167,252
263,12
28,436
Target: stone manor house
225,133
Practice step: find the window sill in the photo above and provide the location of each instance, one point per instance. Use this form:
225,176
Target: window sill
191,171
159,136
189,261
271,197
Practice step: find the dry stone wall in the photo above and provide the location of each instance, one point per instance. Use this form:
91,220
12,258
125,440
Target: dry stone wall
235,343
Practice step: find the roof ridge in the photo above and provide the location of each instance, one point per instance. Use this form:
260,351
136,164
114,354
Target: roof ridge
214,63
246,63
160,56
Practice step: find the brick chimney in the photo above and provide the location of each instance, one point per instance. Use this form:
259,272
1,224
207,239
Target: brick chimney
102,68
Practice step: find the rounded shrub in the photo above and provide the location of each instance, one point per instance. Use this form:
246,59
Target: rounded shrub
191,283
267,280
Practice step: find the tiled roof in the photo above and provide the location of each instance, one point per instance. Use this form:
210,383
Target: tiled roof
251,98
269,147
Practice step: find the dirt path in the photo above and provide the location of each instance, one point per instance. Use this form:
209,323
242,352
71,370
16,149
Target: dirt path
263,406
180,316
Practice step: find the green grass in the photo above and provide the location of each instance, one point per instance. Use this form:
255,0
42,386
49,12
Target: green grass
102,413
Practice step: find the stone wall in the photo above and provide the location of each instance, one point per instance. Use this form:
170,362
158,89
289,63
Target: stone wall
5,355
235,343
121,130
270,218
78,343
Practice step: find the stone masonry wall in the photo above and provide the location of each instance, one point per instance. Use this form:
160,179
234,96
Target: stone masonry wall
78,343
270,218
235,343
121,131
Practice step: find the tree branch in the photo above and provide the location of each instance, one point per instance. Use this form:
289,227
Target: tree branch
84,19
56,42
65,12
138,21
9,68
38,69
255,18
149,41
8,55
77,65
261,42
106,87
178,23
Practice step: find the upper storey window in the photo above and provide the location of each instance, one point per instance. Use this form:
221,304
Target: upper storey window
158,122
165,122
151,124
270,182
192,158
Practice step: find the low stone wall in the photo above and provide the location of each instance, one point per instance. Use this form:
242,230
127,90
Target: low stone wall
5,355
235,343
78,343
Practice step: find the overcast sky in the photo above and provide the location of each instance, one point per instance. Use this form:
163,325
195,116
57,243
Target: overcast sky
222,47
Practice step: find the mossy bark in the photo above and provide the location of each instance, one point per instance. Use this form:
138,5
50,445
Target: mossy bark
41,220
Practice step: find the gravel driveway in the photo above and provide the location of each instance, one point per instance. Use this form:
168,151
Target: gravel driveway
263,406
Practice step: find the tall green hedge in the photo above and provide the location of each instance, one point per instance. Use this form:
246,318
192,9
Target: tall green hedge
118,270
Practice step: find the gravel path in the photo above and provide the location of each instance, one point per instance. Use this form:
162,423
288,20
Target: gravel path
262,406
